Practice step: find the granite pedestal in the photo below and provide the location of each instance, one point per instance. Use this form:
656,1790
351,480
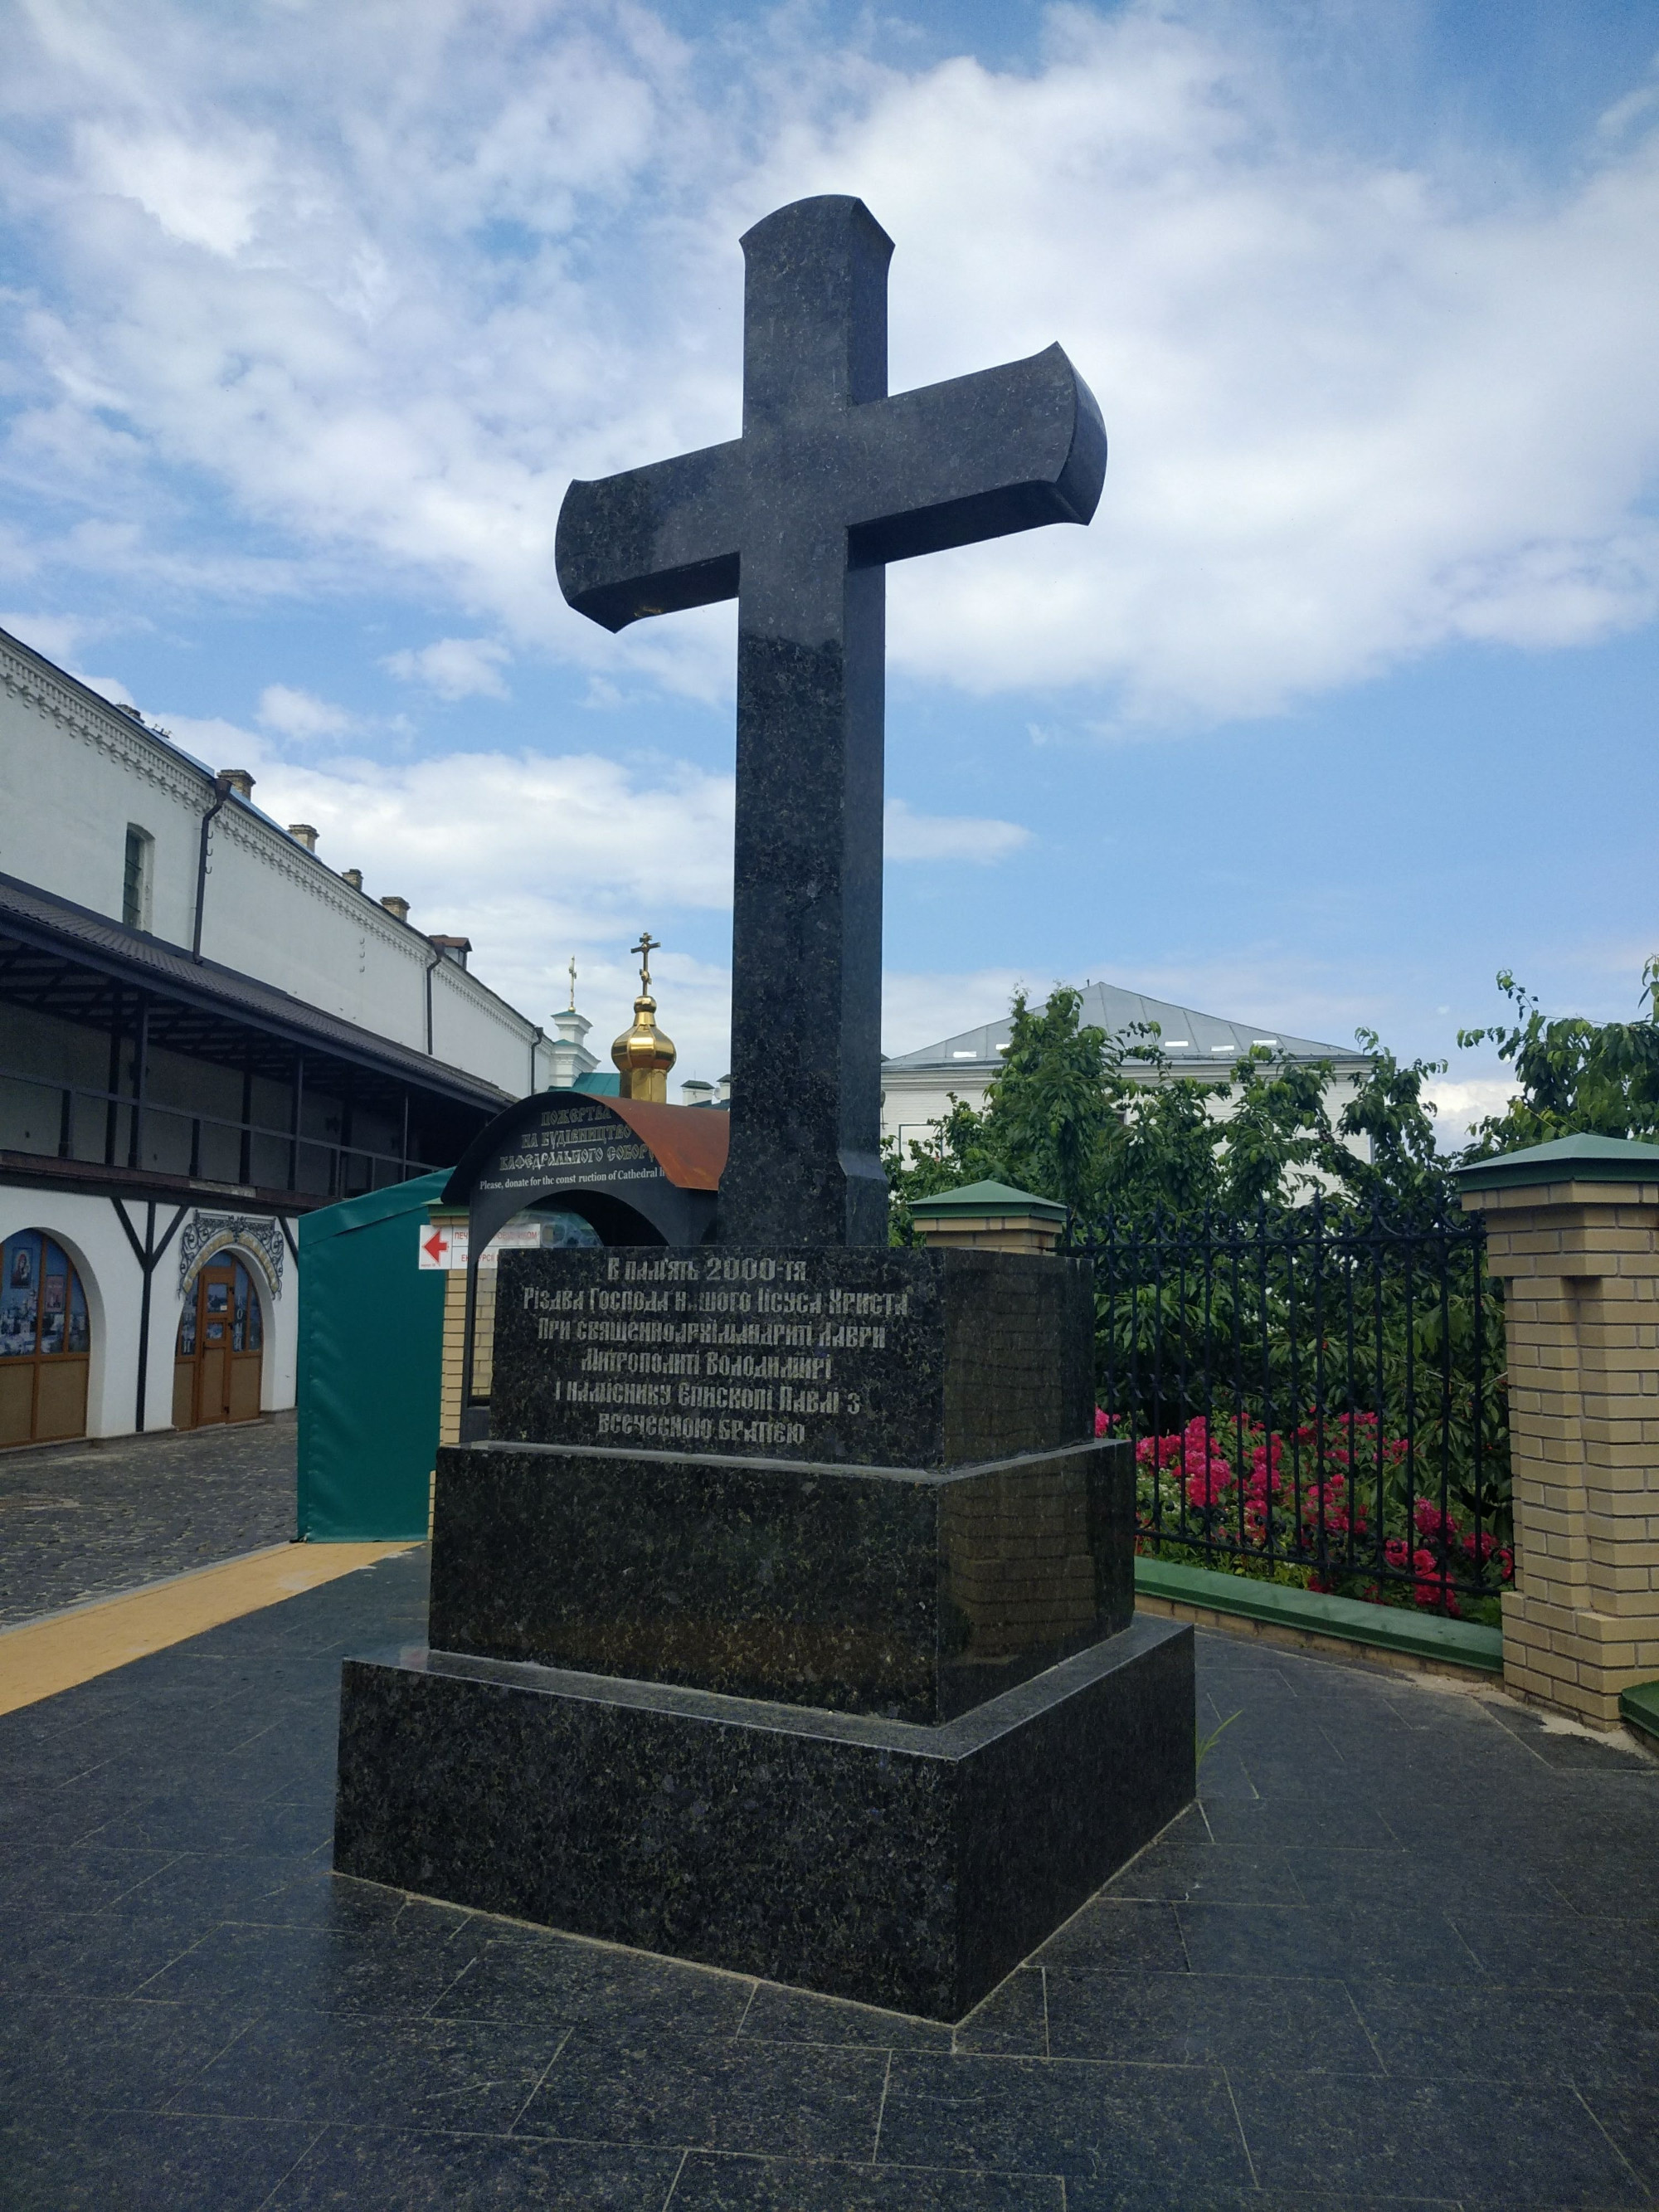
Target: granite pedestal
849,1693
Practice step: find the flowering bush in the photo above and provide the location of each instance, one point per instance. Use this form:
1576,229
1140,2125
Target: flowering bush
1310,1505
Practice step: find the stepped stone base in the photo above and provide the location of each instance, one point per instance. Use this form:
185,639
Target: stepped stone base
893,1862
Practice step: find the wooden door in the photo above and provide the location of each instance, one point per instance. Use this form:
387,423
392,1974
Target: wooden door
46,1341
219,1358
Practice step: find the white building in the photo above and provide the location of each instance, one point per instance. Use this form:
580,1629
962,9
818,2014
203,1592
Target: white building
204,1031
918,1087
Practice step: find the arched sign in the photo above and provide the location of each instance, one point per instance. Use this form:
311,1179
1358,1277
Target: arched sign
640,1173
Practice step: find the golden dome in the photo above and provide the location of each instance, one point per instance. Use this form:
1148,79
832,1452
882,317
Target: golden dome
643,1055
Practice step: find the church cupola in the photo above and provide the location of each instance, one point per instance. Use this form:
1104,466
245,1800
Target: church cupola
643,1055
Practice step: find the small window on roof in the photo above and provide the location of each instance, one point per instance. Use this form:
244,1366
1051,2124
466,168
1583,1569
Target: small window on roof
136,877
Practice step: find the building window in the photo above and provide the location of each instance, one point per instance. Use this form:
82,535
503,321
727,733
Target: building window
135,878
45,1338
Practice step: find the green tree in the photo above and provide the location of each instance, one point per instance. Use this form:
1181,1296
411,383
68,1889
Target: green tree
1101,1123
1573,1075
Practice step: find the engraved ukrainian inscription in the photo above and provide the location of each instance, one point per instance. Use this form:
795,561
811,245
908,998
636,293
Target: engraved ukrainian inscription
721,1350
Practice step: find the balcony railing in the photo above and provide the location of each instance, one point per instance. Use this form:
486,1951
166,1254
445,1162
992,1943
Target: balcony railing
79,1121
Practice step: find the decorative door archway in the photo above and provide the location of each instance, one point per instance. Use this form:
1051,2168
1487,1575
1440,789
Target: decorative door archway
46,1341
219,1354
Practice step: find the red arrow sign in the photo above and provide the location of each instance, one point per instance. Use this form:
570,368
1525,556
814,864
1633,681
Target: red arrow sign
435,1247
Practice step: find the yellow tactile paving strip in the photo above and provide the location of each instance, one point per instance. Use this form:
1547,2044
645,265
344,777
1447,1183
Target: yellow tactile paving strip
44,1656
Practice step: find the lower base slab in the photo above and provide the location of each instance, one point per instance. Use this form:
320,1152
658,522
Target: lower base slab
898,1864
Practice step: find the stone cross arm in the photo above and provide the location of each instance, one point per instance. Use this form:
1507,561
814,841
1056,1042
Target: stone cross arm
976,457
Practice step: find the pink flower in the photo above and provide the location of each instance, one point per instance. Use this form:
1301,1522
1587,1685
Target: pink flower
1204,1488
1102,1421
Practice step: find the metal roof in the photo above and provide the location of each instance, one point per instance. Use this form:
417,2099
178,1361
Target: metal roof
1189,1039
65,958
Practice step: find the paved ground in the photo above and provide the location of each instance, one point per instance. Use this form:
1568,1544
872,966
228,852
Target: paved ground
1406,1955
82,1521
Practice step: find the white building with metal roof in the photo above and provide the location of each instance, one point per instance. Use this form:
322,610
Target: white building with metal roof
206,1031
918,1087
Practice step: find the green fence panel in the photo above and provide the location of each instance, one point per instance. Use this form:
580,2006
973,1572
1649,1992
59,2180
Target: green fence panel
371,1342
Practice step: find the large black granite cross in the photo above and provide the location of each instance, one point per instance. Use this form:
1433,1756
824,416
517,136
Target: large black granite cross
830,480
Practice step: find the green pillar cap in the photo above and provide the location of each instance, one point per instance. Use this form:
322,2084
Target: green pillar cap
981,1200
1567,1159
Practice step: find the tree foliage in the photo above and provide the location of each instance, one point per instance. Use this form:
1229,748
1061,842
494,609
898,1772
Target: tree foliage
1572,1076
1102,1123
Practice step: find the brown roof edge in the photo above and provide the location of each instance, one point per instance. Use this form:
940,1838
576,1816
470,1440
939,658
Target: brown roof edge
689,1142
97,1180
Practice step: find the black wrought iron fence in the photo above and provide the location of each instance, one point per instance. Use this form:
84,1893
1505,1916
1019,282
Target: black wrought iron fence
1314,1396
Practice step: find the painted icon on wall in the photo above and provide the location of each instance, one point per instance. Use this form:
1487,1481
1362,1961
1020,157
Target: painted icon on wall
53,1301
23,1267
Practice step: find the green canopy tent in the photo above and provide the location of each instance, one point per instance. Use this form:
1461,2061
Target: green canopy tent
371,1336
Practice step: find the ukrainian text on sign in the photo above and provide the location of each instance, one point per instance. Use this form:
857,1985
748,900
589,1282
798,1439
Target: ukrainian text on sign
713,1348
567,1148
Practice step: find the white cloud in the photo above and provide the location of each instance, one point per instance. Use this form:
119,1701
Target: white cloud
58,636
113,687
389,277
454,667
911,836
1459,1105
919,1009
301,714
200,195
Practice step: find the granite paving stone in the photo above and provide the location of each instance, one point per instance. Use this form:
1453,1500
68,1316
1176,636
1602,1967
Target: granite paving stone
1266,1823
329,1969
1486,2142
1096,2121
714,2095
469,2076
173,1823
383,2050
1629,2116
780,2015
145,2162
422,2170
75,2050
1473,1881
1013,2020
80,1879
1133,2196
553,1977
1504,2035
119,1957
1201,2019
1186,1867
230,1885
1107,2196
1120,1935
712,2184
1304,1940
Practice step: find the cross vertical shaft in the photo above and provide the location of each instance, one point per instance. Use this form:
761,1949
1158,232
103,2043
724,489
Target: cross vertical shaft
806,920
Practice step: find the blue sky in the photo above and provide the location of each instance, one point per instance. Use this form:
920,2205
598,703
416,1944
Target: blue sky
1346,699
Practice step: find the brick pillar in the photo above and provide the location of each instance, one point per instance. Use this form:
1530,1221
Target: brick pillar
990,1216
449,1393
1572,1228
